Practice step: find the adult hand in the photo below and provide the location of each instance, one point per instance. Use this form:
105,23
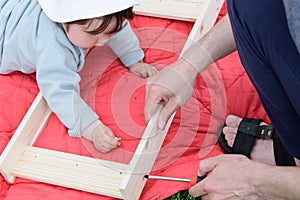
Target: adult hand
231,177
172,86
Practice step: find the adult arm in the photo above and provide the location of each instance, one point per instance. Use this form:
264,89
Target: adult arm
237,177
126,46
174,84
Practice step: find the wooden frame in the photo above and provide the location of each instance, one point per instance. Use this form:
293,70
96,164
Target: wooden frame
125,181
187,10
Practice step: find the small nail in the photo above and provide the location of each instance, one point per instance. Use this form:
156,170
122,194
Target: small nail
118,138
161,125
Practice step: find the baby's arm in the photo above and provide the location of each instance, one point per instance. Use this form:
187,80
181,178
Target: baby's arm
58,81
126,46
101,136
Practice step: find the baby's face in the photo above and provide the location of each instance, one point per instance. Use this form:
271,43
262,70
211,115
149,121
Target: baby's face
78,35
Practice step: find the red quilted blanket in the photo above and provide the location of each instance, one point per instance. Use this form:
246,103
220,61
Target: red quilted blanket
118,97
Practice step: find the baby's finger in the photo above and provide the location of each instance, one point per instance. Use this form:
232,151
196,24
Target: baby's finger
108,146
152,71
111,140
105,148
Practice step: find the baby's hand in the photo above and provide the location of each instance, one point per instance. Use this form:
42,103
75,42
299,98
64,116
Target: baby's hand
101,136
143,70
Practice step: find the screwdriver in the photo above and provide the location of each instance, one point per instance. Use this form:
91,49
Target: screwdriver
193,180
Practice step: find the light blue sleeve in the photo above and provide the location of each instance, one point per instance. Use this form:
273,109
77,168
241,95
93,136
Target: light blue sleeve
58,81
126,46
33,42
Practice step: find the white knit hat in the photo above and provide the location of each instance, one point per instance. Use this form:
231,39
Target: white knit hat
72,10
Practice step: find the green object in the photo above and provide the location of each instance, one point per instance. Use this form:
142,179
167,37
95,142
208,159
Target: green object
182,195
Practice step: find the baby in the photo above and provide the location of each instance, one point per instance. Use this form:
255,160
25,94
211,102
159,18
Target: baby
51,37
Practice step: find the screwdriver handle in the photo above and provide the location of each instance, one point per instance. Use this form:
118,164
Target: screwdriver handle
197,179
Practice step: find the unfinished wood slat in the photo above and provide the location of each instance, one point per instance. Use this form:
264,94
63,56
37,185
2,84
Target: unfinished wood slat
26,134
144,157
75,158
72,162
187,10
72,171
149,146
205,21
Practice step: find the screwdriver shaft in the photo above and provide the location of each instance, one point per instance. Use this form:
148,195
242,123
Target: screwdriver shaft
168,178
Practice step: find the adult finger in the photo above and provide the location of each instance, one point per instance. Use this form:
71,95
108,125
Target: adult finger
205,166
168,109
197,190
208,164
151,100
